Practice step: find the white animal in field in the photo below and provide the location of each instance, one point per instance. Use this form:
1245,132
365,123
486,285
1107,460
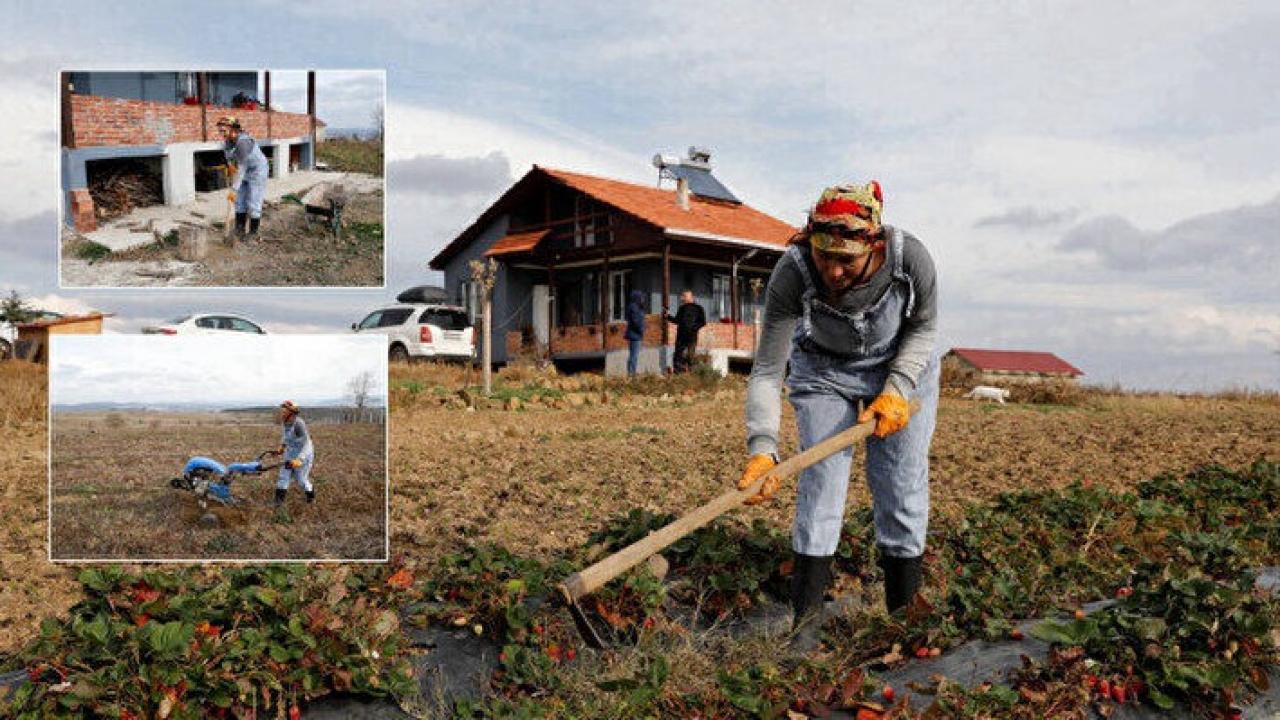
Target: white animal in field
986,392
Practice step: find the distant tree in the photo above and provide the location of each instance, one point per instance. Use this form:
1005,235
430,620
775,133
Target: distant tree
379,120
359,388
14,309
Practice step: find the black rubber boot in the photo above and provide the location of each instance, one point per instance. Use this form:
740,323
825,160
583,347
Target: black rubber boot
242,224
253,229
901,579
279,497
311,496
810,577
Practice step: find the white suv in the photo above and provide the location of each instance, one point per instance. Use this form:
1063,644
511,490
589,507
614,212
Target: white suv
422,331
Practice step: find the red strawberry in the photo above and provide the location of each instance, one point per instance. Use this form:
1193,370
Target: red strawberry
294,712
887,693
1091,681
570,654
1118,693
1104,688
922,652
1124,592
1016,634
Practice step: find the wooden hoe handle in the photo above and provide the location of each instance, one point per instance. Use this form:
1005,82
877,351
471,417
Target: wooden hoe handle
587,581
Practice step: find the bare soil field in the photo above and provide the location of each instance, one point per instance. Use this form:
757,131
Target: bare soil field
548,460
111,497
290,251
540,479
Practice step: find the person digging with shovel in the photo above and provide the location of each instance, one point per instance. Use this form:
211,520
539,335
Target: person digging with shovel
249,183
853,305
298,453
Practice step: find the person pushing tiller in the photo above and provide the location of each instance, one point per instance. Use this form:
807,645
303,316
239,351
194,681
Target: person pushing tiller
297,452
853,305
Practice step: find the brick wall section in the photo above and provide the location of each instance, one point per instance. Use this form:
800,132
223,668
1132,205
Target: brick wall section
82,216
514,341
112,121
586,338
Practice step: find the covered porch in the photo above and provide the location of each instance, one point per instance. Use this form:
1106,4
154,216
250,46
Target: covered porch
576,305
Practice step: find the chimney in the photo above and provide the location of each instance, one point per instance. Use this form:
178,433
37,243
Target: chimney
682,193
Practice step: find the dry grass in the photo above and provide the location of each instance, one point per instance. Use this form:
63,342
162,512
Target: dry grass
111,497
25,386
31,589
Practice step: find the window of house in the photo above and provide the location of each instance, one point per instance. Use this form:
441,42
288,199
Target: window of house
721,297
747,305
619,293
584,229
590,299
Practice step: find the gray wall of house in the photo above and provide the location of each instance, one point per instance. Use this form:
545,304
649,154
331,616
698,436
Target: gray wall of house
510,287
170,87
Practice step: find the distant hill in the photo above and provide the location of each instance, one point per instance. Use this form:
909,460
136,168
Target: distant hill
229,406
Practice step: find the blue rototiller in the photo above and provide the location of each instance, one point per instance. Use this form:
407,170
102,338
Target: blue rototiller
210,480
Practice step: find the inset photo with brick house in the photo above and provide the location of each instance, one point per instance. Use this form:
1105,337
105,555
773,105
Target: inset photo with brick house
222,178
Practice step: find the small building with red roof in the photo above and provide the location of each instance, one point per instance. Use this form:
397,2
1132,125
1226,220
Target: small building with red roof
571,247
996,366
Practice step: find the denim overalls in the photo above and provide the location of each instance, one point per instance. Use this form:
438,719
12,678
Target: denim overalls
297,444
837,360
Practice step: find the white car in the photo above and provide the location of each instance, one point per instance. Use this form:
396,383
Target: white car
422,331
206,324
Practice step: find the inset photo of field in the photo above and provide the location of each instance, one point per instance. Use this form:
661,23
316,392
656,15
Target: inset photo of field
210,448
236,178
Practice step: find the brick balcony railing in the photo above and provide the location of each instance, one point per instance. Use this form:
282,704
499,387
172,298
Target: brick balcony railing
97,120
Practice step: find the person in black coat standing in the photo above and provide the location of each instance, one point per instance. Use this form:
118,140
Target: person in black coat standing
689,319
635,330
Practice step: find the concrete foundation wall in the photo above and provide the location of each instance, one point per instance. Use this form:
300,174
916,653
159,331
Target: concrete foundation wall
177,165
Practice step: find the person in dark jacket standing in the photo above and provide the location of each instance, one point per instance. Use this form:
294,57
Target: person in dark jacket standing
689,319
635,330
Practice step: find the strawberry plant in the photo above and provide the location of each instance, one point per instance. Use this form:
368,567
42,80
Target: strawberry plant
188,644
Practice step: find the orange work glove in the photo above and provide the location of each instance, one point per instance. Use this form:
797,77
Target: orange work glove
231,196
295,463
759,465
890,411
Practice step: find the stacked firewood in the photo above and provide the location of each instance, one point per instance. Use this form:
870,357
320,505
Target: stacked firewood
119,191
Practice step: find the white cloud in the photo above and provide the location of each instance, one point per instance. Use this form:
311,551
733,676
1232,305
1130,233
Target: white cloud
207,369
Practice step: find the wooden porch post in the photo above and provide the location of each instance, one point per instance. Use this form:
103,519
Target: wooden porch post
266,76
551,313
733,301
68,130
202,97
666,292
604,304
311,114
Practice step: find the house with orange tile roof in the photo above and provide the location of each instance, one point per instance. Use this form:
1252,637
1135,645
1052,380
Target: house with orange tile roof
571,247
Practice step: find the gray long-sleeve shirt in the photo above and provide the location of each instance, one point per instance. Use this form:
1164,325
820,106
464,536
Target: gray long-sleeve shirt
296,440
248,158
783,309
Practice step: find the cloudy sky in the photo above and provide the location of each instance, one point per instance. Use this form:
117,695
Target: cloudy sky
233,370
1095,179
